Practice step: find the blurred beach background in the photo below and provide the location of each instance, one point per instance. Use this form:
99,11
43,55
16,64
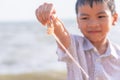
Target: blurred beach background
26,51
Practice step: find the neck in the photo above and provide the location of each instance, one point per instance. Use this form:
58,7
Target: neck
101,46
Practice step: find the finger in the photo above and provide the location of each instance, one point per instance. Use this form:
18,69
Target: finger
45,12
42,12
39,15
58,23
50,11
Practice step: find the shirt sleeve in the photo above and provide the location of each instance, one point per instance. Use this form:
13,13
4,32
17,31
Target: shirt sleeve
62,55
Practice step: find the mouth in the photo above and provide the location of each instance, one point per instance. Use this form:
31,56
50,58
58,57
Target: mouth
94,32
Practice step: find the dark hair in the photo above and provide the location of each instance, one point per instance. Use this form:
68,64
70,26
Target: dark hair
110,4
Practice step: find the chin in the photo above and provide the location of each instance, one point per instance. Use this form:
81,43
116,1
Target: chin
95,39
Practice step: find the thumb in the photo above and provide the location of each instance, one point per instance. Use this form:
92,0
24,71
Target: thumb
56,22
53,17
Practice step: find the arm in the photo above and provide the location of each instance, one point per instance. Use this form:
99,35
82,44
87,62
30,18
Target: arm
44,14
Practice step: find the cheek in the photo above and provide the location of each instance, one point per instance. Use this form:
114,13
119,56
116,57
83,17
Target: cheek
107,30
107,27
80,27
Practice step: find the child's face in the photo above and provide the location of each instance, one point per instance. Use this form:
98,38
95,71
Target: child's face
95,22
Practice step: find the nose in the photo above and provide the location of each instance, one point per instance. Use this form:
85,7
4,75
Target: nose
93,23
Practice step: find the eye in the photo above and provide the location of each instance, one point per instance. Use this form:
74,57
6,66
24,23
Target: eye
84,18
101,16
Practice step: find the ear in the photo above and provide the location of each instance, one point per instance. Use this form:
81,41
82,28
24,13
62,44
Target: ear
115,18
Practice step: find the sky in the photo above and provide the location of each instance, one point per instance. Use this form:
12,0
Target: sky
24,10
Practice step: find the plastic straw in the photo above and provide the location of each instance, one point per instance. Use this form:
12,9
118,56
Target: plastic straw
68,53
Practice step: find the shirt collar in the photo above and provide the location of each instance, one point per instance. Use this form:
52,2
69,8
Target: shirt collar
87,45
111,51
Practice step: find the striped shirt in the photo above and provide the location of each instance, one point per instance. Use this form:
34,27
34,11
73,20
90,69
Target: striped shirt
98,67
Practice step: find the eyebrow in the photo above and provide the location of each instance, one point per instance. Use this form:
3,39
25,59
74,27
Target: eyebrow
102,12
84,14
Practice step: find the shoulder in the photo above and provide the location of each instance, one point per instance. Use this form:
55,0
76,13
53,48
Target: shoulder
117,48
81,41
77,38
78,41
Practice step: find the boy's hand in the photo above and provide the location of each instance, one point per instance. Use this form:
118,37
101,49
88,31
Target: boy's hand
45,12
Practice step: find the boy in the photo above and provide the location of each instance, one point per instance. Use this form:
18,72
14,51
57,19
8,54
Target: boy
97,55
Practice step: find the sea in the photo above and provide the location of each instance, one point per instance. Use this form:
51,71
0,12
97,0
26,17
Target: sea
26,47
